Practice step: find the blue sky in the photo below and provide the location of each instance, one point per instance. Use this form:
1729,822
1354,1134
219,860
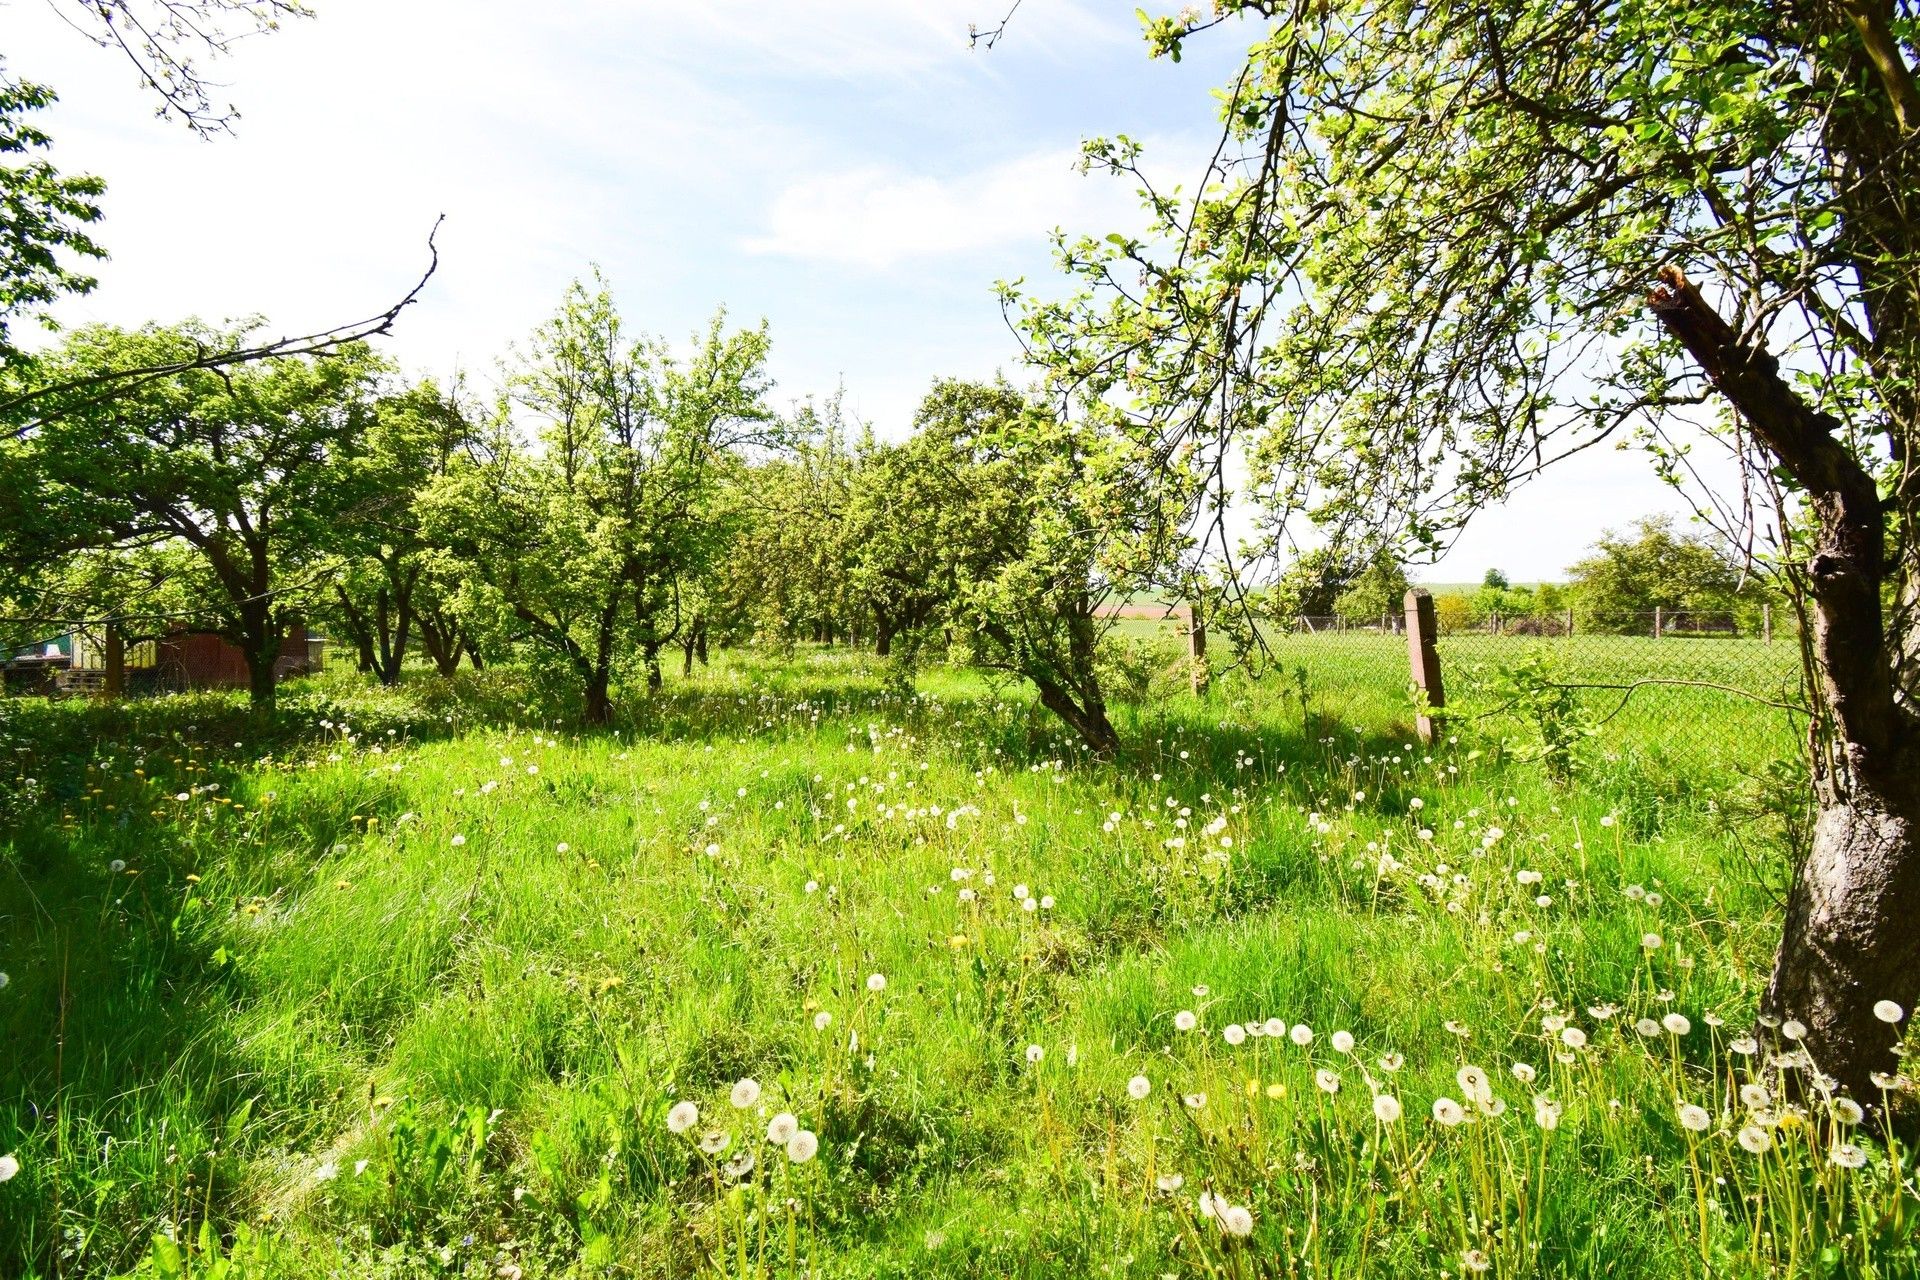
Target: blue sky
848,169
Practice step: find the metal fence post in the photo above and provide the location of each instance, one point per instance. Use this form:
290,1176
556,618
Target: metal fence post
1422,630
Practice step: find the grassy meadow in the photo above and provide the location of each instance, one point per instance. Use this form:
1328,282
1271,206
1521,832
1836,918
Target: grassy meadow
789,976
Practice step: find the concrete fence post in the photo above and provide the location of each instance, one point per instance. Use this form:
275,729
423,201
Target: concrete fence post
1659,621
1422,631
1197,649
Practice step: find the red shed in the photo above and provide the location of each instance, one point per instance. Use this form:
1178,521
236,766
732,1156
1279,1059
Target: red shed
201,659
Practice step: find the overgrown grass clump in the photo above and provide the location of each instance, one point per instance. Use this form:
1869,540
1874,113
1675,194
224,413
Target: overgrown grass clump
422,983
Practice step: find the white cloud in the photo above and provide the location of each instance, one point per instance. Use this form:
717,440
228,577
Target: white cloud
878,216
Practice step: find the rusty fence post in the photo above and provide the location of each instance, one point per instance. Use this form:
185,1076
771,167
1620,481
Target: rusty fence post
1422,631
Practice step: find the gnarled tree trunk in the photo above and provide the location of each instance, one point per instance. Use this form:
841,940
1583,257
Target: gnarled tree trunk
1852,933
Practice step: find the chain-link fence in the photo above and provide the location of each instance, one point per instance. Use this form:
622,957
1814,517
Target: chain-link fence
1701,692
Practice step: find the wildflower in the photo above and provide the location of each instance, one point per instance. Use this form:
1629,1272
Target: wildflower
1185,1020
714,1141
876,982
1647,1027
1139,1087
1745,1046
1847,1156
1651,941
803,1146
1210,1204
458,840
1234,1034
1475,1260
1523,1072
781,1128
1752,1138
683,1117
1391,1062
1343,1042
1169,1182
1474,1083
822,1020
1327,1081
738,1167
1847,1111
1236,1220
1448,1112
326,1171
1386,1108
1275,1027
1676,1024
1035,1053
9,1167
1755,1096
4,980
1573,1038
1301,1035
1793,1029
1888,1011
745,1093
1546,1112
1694,1119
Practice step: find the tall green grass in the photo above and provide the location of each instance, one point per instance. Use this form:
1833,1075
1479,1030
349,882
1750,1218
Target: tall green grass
410,983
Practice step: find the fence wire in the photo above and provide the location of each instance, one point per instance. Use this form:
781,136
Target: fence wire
1703,693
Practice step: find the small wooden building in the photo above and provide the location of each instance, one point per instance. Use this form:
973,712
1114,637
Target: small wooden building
76,661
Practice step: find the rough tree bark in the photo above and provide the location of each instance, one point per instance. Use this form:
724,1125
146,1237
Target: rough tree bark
1852,931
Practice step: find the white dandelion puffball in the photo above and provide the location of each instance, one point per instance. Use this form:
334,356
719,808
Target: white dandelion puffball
458,840
1343,1042
1236,1220
4,980
803,1146
822,1020
1546,1113
1847,1156
1274,1027
1139,1087
1327,1081
1170,1182
1676,1024
1755,1096
683,1117
1745,1046
1301,1035
562,847
714,1141
1475,1260
117,866
1386,1108
1754,1140
1474,1083
781,1128
1194,1101
1210,1204
1234,1033
326,1171
1647,1027
1185,1020
1651,941
1847,1111
1793,1029
1035,1053
1573,1038
1888,1011
745,1093
9,1167
1448,1112
1694,1118
876,982
1523,1072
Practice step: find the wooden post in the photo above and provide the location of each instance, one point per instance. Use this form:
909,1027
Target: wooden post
1569,623
1658,621
1197,649
116,662
1422,631
1766,623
